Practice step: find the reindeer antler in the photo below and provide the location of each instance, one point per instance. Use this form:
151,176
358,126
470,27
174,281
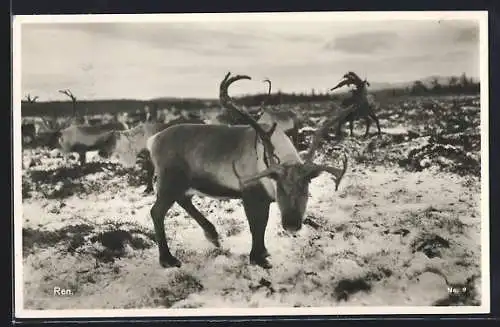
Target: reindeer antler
268,81
30,99
340,114
227,102
354,76
348,79
68,93
275,168
71,96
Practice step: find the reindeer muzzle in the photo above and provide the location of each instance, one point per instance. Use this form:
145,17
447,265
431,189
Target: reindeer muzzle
291,222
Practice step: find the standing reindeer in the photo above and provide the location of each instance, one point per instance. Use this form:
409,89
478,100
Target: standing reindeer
76,136
76,117
28,130
129,146
224,161
360,100
287,120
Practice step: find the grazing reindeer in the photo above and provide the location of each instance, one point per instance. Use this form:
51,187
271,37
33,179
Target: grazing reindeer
129,146
360,100
81,138
287,120
224,161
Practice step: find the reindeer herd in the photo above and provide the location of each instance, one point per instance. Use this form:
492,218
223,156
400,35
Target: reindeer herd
255,160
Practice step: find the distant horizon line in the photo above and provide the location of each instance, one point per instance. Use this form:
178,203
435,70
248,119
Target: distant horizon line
387,86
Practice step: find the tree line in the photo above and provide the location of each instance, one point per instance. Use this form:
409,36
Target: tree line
455,85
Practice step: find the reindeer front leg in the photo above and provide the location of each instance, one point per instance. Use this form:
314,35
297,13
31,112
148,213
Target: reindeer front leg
368,122
150,171
339,129
82,158
351,124
256,204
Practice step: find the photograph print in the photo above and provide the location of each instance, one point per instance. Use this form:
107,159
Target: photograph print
257,164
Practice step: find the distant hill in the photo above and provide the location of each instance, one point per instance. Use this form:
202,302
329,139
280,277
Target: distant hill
427,81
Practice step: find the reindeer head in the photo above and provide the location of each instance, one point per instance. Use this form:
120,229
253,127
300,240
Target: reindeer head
292,178
124,145
108,144
351,78
54,126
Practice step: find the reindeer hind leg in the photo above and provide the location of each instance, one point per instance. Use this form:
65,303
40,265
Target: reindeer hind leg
368,123
375,118
150,172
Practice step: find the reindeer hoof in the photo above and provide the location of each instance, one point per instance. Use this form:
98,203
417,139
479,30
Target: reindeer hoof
148,191
214,239
261,261
170,262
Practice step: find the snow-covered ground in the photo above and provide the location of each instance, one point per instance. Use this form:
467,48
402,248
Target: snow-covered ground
393,234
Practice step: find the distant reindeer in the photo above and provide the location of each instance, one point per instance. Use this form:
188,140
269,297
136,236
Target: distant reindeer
287,120
30,99
151,112
76,117
360,100
129,146
28,130
132,119
224,161
76,136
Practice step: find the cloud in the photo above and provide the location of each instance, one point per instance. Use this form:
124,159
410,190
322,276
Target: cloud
363,43
469,35
144,60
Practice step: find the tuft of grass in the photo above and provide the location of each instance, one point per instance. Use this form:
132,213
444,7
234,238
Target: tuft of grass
84,238
215,252
347,287
233,227
72,235
430,244
177,289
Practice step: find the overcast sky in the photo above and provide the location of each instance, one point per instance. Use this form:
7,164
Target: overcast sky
147,60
